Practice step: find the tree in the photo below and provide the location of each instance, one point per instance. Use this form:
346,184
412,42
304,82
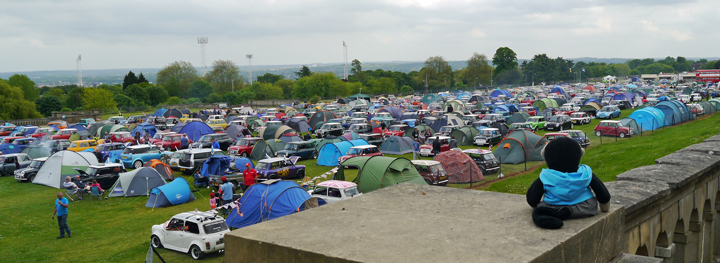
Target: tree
320,84
504,59
356,70
157,95
287,87
382,85
245,96
634,63
138,93
224,77
304,72
55,92
508,77
114,89
266,91
47,104
31,92
173,101
129,79
269,78
177,78
477,70
13,104
74,98
406,90
438,73
94,98
141,79
123,101
200,89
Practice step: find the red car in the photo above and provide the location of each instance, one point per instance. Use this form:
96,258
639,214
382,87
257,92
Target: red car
159,137
9,139
41,132
63,134
6,130
395,130
613,128
554,135
122,137
171,142
426,149
565,110
243,146
363,150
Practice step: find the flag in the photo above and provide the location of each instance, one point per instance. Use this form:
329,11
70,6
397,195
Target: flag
570,70
583,69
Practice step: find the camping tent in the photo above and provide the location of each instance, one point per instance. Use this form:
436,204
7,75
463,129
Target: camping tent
93,128
628,122
359,96
215,165
137,182
465,135
143,128
111,128
275,131
421,130
269,200
233,130
456,104
377,172
648,118
261,150
396,112
349,136
320,116
397,145
445,120
162,168
518,117
299,125
708,108
60,165
460,167
239,163
159,112
675,111
176,192
195,130
502,128
520,146
173,113
326,140
329,153
545,103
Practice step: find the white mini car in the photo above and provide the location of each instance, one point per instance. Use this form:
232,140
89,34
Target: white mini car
196,233
333,190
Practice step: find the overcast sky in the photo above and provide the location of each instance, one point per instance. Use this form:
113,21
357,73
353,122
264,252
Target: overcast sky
49,35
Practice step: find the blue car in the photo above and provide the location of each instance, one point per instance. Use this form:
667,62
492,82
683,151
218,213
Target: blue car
107,150
136,156
16,146
609,112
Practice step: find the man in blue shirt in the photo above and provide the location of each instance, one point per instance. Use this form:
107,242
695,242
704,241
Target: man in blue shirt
416,150
61,210
227,191
215,144
184,142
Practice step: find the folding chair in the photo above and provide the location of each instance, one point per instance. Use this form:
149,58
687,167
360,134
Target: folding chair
95,191
69,191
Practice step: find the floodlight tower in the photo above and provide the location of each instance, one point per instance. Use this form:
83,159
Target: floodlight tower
249,57
202,41
345,61
79,71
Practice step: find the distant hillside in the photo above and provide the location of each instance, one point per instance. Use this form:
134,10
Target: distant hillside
114,76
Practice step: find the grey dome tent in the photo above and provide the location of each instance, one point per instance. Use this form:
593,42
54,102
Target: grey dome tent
137,182
628,122
518,117
502,128
465,135
445,120
520,146
421,130
397,145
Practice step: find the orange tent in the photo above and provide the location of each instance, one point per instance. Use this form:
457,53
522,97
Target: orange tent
162,168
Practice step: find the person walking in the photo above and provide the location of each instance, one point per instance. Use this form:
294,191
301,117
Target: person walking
184,142
416,150
61,210
227,191
453,142
436,145
249,176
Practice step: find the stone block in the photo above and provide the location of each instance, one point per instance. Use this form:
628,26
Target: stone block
634,194
665,252
628,258
695,226
680,238
715,138
694,164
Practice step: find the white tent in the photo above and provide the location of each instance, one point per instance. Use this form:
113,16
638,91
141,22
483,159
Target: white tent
60,165
137,182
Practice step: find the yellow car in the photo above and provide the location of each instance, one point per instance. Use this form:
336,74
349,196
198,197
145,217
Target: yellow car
216,123
185,117
81,145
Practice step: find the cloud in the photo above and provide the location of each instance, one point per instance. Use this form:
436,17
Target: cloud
478,33
648,26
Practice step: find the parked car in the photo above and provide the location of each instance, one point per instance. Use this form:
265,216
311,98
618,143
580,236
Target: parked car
280,168
696,109
191,159
488,136
8,162
17,145
490,119
329,128
28,173
41,132
529,110
558,123
580,118
106,148
216,123
159,137
554,135
537,122
360,128
362,150
431,171
395,130
485,160
117,119
58,124
373,138
171,142
106,174
578,136
468,119
63,134
196,233
608,112
123,137
136,156
135,119
302,149
565,110
333,191
243,146
426,149
359,114
521,126
9,139
23,131
447,130
613,128
6,130
81,145
223,139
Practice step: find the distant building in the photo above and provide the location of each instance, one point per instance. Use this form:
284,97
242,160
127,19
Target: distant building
649,77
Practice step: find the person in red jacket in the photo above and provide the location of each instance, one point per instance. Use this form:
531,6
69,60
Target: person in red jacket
249,176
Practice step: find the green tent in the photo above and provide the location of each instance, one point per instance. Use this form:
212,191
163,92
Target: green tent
708,108
254,122
379,172
359,96
716,103
456,104
262,149
520,146
320,142
421,130
545,103
518,117
275,131
465,135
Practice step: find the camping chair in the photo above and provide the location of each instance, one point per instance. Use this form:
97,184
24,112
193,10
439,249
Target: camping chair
69,191
197,177
95,191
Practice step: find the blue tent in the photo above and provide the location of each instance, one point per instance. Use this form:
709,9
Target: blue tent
159,112
174,193
143,128
263,202
499,92
240,162
675,111
410,123
634,79
501,108
77,127
329,153
195,130
648,118
215,165
178,127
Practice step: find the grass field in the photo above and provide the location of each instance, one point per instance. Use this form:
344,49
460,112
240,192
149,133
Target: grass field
118,229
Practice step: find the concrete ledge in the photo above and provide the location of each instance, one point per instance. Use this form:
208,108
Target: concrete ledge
413,223
634,195
627,258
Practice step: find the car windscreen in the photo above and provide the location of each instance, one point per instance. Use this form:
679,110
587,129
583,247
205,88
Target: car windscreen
555,119
167,139
215,227
488,156
606,109
576,115
35,164
262,166
91,170
291,147
354,151
350,192
158,136
206,139
436,168
127,151
395,128
241,143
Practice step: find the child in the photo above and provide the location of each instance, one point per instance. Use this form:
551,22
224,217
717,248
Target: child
567,186
213,201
